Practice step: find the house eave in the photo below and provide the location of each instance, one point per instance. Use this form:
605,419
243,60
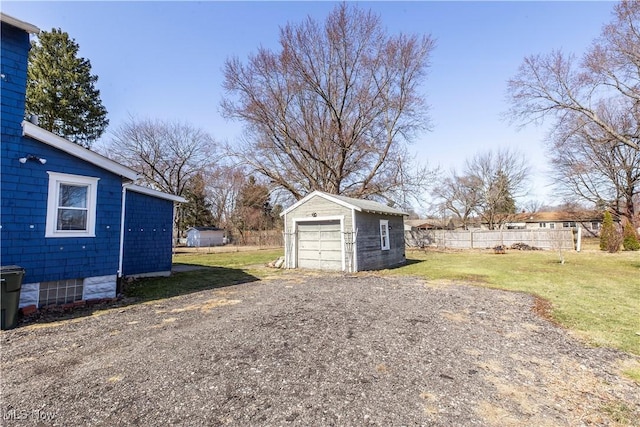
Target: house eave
14,22
156,193
55,141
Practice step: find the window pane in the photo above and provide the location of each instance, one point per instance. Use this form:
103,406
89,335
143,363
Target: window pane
384,234
72,219
73,196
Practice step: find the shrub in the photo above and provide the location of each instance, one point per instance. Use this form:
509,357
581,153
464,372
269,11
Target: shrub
610,238
630,238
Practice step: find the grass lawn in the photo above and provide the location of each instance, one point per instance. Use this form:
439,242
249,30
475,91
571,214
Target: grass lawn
594,293
224,269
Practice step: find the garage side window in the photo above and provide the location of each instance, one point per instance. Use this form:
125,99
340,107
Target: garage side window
384,234
71,205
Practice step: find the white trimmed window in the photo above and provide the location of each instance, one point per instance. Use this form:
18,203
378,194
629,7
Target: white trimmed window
384,234
71,205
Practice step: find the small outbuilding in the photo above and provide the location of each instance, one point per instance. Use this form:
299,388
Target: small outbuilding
205,236
333,232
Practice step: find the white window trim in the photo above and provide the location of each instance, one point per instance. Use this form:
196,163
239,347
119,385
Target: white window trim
383,246
55,179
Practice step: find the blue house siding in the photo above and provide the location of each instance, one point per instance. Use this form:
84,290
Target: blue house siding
61,268
24,212
14,58
147,235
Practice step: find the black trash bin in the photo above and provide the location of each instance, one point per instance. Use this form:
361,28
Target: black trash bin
11,282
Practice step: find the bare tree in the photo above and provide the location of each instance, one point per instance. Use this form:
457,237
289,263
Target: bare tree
335,108
223,187
557,85
459,195
499,178
165,154
533,206
597,168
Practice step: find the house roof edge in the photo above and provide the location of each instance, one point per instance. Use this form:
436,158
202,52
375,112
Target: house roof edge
155,193
15,22
55,141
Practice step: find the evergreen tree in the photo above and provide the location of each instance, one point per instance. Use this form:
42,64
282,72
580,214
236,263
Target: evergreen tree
61,90
630,238
609,237
197,211
253,210
505,204
253,207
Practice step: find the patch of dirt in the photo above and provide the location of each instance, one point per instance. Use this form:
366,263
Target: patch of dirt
316,349
543,308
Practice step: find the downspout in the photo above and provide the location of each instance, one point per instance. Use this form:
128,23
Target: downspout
287,244
354,229
121,253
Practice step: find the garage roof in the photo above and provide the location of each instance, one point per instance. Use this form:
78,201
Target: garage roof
359,205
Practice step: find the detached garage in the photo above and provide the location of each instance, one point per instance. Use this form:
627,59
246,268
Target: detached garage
331,232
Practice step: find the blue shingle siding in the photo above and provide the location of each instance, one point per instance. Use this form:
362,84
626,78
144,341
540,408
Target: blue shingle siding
13,64
24,213
147,234
53,261
24,189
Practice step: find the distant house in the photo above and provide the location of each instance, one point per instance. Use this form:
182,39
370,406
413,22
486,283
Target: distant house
331,232
589,221
422,224
205,236
73,219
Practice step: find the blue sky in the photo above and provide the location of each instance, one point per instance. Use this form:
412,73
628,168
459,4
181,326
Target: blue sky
165,59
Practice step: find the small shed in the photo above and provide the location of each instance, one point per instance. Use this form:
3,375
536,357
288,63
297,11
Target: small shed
205,236
333,232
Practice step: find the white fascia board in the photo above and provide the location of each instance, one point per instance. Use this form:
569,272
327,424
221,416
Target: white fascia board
156,193
55,141
324,196
25,26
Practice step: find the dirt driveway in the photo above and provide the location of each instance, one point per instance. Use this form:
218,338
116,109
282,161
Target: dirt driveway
313,351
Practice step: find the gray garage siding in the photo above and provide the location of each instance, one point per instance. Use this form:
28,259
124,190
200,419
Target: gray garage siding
370,254
322,208
307,250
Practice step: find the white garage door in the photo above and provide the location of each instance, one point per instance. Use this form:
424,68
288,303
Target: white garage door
320,245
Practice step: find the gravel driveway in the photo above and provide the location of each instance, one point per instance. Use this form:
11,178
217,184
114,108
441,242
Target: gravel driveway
311,350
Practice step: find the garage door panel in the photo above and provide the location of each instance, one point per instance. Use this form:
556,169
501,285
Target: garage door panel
320,245
330,235
309,245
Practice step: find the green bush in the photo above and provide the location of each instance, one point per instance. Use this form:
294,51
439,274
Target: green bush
630,238
610,238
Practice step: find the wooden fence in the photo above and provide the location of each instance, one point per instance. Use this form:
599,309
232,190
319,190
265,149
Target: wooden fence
482,239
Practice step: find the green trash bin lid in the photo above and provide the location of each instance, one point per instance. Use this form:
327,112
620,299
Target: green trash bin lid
11,269
11,278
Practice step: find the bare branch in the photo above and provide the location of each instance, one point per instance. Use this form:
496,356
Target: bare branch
334,109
